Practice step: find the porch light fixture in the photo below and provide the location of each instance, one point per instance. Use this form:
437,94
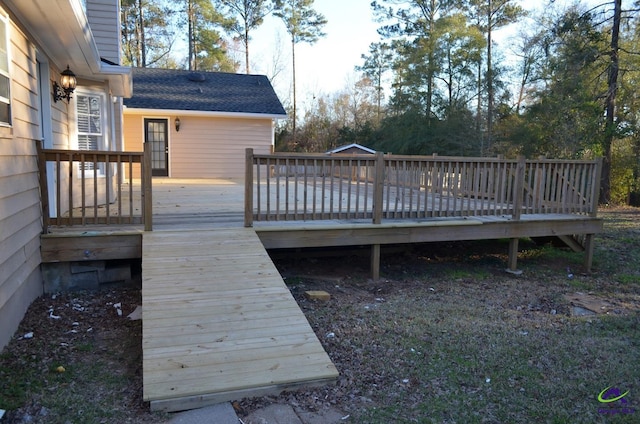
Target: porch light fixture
66,87
177,122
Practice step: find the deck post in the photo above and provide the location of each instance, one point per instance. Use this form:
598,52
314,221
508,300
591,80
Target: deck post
513,255
44,188
588,251
518,188
147,192
595,197
248,188
378,187
375,262
518,198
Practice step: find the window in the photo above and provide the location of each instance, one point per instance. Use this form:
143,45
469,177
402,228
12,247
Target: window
5,82
90,118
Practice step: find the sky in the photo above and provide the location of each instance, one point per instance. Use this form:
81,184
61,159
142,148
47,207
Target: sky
327,66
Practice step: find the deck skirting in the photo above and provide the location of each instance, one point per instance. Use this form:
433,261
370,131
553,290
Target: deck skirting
322,234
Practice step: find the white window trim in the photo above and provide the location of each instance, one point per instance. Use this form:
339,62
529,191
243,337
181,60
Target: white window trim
7,23
104,123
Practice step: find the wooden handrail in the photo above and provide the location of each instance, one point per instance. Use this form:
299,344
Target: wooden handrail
294,186
91,183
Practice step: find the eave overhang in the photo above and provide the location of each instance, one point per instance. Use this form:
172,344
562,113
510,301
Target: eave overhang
200,113
61,29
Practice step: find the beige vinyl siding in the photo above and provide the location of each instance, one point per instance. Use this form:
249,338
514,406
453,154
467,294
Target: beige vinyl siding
215,148
20,216
104,19
133,138
205,147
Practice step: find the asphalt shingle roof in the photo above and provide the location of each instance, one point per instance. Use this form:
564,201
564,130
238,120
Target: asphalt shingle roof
177,89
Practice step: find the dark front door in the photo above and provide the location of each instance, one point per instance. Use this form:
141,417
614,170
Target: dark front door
156,134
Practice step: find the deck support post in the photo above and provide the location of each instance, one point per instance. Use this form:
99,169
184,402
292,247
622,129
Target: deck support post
588,251
375,262
513,256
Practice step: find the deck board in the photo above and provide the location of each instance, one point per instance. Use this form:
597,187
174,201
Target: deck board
218,320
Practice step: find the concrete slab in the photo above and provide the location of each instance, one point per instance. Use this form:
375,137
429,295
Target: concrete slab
222,413
274,414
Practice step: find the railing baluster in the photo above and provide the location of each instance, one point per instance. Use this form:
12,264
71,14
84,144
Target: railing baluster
94,171
82,189
70,188
256,182
119,188
130,182
349,186
331,188
58,189
582,189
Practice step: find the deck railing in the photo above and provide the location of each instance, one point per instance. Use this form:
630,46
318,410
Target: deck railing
95,187
280,187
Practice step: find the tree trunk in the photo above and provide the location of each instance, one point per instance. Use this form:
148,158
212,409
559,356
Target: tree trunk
479,109
190,35
143,46
293,61
430,77
610,125
246,48
379,90
490,93
634,195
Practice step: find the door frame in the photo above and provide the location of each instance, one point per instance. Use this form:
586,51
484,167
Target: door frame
158,172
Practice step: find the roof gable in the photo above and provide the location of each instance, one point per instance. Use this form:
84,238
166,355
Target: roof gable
176,89
352,148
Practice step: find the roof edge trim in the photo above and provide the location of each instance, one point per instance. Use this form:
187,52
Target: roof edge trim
201,113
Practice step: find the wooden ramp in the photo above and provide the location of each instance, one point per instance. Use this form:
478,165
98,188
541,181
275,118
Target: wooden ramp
219,323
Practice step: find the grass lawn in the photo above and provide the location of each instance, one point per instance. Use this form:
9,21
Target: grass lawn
447,336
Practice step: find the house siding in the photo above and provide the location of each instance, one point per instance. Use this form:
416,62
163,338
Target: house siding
104,19
20,216
206,147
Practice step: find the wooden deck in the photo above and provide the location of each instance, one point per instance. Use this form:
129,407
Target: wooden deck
219,322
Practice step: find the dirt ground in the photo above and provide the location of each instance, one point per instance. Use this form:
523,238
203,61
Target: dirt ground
77,357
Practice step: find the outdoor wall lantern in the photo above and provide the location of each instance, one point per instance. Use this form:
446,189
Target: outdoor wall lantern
66,87
177,124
